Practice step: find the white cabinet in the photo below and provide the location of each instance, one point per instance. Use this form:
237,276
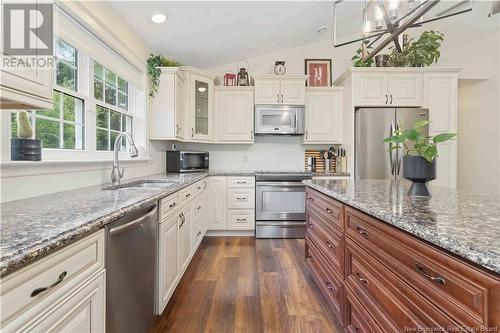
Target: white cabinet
199,111
241,219
241,198
234,114
166,116
272,89
185,238
394,89
168,263
323,115
218,206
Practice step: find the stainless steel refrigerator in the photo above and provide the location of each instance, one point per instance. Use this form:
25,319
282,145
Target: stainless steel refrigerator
372,160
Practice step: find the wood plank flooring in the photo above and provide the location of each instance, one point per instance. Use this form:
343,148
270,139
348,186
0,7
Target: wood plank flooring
243,284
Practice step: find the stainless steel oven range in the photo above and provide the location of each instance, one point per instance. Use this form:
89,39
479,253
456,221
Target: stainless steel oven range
280,204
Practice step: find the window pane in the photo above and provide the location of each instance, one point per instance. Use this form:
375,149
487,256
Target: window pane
65,51
69,136
122,85
110,95
54,113
115,121
122,101
113,138
102,140
65,75
127,124
110,78
102,117
48,132
98,93
69,107
98,70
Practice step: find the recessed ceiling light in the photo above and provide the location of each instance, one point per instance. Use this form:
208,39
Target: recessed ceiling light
158,17
324,27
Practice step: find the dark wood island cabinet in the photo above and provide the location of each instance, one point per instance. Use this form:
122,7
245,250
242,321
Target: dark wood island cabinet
378,278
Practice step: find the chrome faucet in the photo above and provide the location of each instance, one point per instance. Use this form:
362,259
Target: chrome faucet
116,173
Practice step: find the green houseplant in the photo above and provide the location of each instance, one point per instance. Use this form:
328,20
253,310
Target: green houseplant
357,59
422,52
419,161
155,61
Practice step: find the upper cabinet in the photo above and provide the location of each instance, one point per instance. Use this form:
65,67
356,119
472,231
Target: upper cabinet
166,117
234,114
199,114
29,88
272,89
324,115
388,89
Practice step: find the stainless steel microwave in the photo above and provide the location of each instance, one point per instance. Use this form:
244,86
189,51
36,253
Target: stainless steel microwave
187,161
279,119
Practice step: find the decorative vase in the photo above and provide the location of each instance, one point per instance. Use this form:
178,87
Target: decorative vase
382,60
419,171
25,150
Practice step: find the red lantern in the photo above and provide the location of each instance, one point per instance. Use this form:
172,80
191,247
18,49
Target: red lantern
229,79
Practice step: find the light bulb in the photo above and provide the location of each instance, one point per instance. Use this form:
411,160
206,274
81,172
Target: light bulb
367,27
158,18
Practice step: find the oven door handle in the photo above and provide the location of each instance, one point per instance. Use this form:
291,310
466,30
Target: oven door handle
260,183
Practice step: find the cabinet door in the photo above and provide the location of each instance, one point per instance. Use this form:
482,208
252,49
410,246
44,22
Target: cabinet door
406,89
217,202
323,116
293,91
168,268
201,108
185,238
267,91
241,219
180,105
372,89
235,113
83,311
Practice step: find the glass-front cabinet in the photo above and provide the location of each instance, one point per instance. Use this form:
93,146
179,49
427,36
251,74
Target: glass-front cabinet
200,110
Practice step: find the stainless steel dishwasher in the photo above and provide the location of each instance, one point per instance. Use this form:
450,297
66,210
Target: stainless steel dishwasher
131,248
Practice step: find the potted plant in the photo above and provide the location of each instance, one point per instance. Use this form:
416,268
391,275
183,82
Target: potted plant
419,161
357,59
24,148
155,61
422,52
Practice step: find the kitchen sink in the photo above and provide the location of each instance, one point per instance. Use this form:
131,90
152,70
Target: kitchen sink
142,185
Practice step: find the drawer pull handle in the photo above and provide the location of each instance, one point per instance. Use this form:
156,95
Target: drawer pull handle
329,211
241,219
188,195
198,188
310,199
329,285
241,182
311,225
437,279
361,231
365,281
199,207
172,205
330,245
41,290
238,198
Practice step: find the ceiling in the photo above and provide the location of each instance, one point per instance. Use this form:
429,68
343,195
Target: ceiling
206,34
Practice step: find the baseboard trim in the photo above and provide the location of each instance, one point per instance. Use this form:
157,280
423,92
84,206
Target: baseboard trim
231,233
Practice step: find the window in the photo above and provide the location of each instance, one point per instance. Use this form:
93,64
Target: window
109,124
109,87
61,127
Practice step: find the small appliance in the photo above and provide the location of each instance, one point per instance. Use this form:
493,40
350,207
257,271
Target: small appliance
187,161
279,119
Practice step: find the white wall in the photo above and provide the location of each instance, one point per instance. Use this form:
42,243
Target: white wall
472,42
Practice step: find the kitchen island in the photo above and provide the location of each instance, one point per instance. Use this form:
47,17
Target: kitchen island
388,262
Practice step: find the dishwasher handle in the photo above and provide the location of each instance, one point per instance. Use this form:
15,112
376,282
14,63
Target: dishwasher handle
134,222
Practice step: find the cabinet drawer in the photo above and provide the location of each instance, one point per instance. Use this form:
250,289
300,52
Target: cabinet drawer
393,304
458,289
331,210
241,198
329,242
330,284
241,219
241,181
197,206
186,194
169,205
199,187
67,267
358,320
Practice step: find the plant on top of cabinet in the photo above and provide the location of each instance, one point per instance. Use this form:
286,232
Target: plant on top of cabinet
357,59
419,162
422,52
155,61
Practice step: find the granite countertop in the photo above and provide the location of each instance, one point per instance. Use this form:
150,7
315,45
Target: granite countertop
231,173
463,223
331,174
33,227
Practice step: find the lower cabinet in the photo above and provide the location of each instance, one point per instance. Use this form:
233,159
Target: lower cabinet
217,205
384,280
168,264
185,238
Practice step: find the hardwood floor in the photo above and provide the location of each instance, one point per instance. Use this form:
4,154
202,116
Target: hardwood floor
240,284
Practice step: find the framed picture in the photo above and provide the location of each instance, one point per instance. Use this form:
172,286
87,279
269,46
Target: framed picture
319,72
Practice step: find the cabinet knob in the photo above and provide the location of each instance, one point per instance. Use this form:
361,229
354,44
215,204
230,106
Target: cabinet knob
361,231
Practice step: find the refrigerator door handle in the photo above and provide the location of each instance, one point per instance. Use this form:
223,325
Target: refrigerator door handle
400,151
391,160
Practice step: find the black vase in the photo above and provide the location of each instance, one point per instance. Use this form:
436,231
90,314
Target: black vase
419,171
25,150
